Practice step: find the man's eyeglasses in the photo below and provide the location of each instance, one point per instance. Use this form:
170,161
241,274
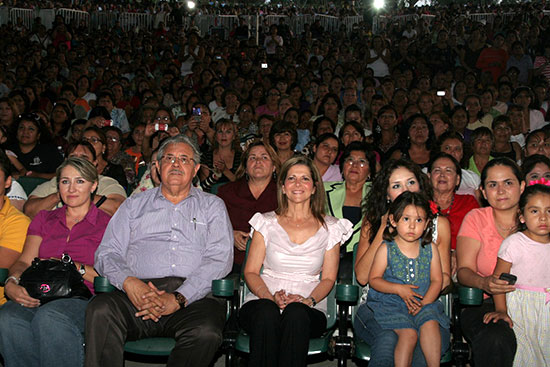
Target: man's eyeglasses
183,160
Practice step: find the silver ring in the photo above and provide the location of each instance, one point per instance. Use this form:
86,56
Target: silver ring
22,304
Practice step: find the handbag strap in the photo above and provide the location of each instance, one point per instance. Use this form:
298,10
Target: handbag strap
100,201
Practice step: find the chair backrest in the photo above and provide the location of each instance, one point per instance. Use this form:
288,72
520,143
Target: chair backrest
30,183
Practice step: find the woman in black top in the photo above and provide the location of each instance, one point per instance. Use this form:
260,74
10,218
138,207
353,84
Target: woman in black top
33,148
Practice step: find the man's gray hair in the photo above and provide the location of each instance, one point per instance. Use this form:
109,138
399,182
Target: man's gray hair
180,139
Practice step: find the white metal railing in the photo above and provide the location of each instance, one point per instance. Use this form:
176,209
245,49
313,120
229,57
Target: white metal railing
130,21
76,17
25,15
328,22
103,19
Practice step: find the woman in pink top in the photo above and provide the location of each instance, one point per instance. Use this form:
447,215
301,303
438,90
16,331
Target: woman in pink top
478,242
32,334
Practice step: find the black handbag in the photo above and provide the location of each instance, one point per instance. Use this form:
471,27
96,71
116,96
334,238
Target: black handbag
48,280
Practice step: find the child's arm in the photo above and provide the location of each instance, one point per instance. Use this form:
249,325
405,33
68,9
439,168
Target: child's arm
501,310
436,278
376,281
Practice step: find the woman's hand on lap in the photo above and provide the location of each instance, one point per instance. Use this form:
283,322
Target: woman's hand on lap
496,316
280,299
20,295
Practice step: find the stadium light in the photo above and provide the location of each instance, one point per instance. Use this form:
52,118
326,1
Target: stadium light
191,4
378,4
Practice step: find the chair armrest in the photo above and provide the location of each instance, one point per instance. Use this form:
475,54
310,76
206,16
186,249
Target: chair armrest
347,293
470,296
102,285
225,287
3,276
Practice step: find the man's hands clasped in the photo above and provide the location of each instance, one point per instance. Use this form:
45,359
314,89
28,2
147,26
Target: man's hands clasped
151,302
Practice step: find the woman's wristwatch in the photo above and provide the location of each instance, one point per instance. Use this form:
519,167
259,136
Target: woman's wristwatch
313,301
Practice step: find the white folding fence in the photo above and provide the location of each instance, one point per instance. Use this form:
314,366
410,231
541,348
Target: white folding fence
380,22
74,17
26,15
103,19
207,24
129,21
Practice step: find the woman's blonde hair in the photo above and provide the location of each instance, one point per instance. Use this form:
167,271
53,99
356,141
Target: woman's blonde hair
317,200
241,171
83,166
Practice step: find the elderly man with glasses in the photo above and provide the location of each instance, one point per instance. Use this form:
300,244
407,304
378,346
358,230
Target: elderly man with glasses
161,250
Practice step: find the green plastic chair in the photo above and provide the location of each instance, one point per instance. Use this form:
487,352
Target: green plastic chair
363,350
159,346
316,345
323,344
30,183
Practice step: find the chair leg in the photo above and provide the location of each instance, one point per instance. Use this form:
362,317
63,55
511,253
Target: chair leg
460,349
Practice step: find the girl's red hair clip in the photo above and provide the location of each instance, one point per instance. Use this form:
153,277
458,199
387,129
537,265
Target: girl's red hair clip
540,181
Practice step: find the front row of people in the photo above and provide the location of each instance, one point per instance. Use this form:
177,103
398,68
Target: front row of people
162,249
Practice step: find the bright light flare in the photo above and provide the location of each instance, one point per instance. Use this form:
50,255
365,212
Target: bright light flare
378,4
191,4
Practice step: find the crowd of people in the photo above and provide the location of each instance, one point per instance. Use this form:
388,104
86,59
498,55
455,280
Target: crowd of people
164,155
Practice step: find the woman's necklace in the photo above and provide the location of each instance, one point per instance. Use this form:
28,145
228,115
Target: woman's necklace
505,229
447,211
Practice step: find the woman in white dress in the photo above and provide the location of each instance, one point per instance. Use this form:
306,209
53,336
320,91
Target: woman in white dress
294,244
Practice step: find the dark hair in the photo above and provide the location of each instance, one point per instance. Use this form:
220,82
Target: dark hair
325,99
106,94
385,108
99,111
357,126
480,113
360,146
5,164
501,161
481,131
442,155
501,119
318,121
352,108
397,208
323,138
45,136
24,97
447,135
283,127
405,142
99,133
72,147
524,199
530,162
116,130
227,92
376,203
